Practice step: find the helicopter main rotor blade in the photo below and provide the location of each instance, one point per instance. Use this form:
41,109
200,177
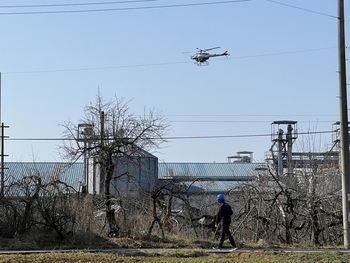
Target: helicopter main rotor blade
210,49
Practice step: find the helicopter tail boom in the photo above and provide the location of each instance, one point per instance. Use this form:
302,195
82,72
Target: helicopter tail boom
222,54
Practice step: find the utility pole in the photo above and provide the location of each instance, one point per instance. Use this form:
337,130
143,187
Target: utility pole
344,130
2,173
2,152
2,165
102,117
0,98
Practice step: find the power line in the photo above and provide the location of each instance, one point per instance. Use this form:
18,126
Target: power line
76,4
238,136
121,9
173,138
159,64
304,9
239,121
251,115
284,53
95,68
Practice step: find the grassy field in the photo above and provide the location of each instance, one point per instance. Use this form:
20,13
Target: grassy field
182,256
135,250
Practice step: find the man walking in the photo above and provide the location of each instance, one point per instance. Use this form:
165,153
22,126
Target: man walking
224,216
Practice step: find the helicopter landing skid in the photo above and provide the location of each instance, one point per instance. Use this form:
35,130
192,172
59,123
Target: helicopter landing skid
205,63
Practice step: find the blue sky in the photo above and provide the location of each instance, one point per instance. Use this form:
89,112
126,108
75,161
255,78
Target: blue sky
283,66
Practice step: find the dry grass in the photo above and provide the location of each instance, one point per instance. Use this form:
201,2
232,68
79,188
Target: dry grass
186,250
179,256
49,241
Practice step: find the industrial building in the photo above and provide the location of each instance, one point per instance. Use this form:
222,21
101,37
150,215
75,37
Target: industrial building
140,174
145,173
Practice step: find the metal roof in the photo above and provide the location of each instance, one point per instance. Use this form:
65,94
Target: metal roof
71,174
215,177
215,171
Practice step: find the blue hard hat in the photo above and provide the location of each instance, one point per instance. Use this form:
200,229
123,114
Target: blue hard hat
220,197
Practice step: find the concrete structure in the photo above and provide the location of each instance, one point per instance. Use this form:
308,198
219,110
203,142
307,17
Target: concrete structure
132,175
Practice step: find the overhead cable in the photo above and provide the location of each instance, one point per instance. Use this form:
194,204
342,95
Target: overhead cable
239,121
304,9
249,115
158,64
172,138
75,4
121,9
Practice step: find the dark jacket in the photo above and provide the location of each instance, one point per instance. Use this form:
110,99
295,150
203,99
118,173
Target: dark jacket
224,214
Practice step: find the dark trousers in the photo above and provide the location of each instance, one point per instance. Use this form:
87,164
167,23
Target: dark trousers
225,231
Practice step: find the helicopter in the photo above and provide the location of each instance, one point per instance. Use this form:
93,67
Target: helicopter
202,57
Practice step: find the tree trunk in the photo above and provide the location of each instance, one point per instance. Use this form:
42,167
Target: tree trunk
110,213
155,217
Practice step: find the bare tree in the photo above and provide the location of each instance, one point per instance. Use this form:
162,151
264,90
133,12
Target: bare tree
114,132
303,207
